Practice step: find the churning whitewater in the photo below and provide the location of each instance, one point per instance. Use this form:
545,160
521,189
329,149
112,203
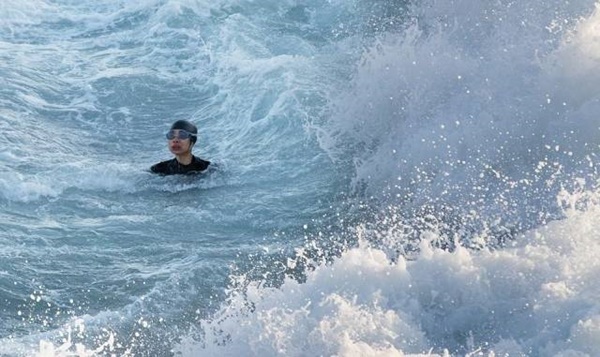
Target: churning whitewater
393,178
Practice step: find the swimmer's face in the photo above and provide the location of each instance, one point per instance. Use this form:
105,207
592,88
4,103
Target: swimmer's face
179,142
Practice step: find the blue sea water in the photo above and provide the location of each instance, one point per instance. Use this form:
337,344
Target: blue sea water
393,178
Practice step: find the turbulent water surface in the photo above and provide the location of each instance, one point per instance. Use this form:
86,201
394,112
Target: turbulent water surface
391,178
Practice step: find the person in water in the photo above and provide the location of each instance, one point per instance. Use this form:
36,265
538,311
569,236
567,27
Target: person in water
182,136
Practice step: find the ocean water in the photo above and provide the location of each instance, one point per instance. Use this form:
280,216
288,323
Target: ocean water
392,178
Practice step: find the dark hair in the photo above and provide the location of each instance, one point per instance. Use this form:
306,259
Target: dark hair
187,126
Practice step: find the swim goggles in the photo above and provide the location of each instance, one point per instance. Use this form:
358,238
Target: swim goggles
179,134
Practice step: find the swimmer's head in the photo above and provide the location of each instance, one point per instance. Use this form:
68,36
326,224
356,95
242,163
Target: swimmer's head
187,126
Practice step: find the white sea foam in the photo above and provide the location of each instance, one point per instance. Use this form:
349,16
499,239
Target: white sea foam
110,178
537,297
14,187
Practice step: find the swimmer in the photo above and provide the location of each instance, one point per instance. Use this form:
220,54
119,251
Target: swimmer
182,136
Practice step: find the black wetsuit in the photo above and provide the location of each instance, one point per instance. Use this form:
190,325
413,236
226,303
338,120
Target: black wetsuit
173,167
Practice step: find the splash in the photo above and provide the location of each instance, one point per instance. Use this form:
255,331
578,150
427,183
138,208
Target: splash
474,108
536,297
